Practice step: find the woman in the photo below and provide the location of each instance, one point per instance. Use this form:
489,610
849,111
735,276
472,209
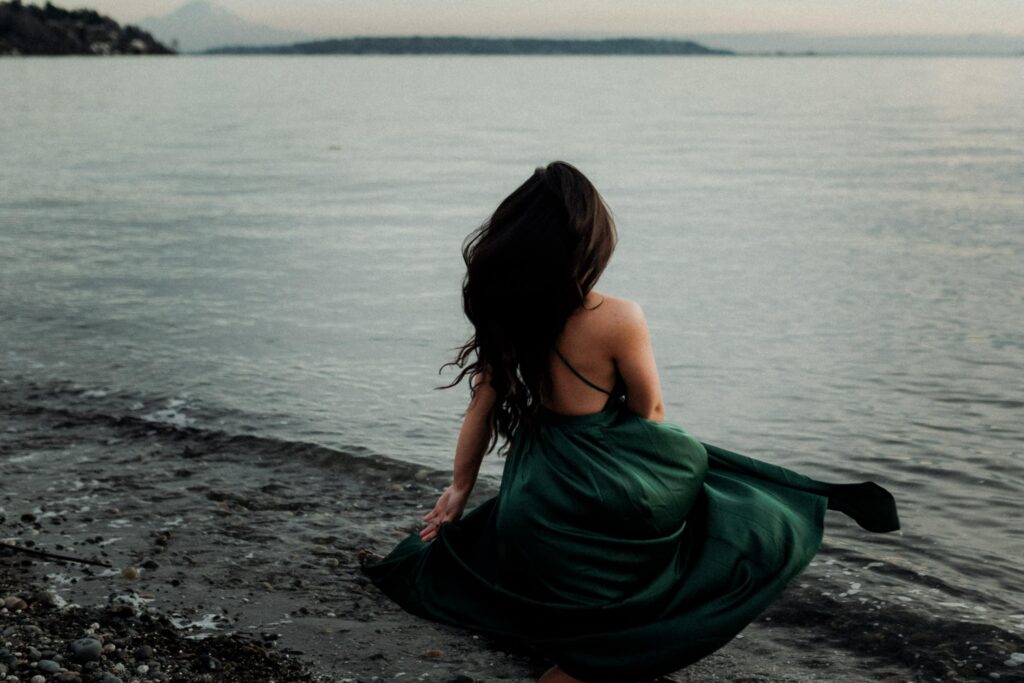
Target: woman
618,545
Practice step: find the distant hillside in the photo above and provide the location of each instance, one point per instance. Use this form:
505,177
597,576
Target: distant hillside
458,45
201,24
50,30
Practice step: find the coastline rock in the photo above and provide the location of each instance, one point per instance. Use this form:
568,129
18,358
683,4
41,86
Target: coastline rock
48,666
85,650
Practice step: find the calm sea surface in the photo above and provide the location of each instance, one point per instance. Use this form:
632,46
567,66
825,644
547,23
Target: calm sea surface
829,252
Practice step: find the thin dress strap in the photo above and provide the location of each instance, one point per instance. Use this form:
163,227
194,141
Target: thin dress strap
577,373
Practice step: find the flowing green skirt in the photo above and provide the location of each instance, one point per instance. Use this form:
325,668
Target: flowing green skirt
622,548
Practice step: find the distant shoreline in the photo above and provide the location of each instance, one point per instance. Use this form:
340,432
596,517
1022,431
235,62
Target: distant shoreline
516,47
909,55
464,45
739,55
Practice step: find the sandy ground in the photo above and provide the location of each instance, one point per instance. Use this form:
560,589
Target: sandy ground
240,535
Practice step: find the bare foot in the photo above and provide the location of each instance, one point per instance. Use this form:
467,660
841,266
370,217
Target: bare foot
556,675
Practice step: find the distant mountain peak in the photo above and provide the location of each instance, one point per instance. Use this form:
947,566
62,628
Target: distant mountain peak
205,8
198,25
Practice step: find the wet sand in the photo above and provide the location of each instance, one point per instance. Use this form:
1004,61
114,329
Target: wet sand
242,539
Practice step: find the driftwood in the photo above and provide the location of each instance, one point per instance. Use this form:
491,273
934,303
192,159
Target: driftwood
51,556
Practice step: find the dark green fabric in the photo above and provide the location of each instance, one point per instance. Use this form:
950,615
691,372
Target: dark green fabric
621,548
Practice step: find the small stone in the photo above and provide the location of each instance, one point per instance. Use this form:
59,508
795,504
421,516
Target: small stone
48,666
142,669
143,653
130,573
14,603
45,598
35,679
433,654
108,678
209,663
109,647
69,677
85,650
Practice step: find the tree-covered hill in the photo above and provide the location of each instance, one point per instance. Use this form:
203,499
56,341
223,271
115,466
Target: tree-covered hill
50,30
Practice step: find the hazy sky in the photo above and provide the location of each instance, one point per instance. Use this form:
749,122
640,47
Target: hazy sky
602,17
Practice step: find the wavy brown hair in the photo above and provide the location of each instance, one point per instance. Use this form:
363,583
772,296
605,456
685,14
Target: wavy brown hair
528,267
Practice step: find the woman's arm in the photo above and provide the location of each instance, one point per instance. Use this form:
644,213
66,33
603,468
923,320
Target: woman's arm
634,357
474,436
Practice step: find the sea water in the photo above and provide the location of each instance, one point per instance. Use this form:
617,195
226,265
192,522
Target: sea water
828,251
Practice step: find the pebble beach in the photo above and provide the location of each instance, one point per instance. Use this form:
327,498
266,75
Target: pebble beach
235,558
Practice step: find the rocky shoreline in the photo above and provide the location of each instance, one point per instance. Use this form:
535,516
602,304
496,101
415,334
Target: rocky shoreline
222,554
117,642
237,558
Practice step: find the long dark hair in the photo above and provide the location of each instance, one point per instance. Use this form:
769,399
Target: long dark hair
528,267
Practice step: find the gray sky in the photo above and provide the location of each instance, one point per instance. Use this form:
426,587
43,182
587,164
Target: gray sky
604,17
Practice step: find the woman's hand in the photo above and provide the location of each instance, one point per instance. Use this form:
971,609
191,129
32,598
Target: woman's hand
449,508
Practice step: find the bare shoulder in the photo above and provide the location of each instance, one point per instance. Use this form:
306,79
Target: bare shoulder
621,312
620,323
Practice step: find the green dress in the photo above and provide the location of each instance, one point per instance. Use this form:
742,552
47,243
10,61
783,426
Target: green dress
622,548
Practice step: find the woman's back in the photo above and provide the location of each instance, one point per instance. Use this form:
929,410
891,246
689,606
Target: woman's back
604,340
